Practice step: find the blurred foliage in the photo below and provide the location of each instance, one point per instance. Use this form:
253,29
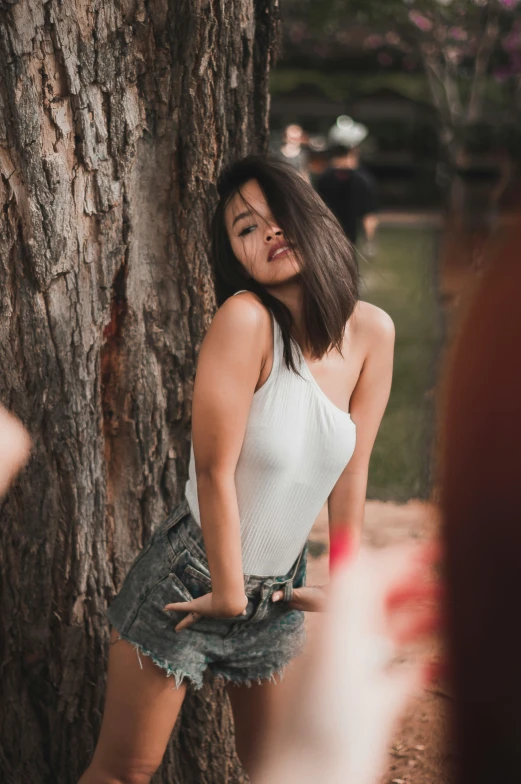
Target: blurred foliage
467,50
345,85
458,24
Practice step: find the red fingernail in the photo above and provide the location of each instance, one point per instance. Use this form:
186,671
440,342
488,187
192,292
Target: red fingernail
340,547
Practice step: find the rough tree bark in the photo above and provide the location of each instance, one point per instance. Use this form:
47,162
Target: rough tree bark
116,116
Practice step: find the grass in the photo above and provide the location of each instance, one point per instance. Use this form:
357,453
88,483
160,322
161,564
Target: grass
401,279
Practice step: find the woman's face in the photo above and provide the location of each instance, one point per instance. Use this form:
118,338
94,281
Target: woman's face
256,240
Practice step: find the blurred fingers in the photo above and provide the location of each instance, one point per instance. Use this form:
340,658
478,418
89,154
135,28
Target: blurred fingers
416,626
413,590
340,547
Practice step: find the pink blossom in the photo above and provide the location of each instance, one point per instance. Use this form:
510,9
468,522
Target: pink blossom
512,42
392,38
373,41
454,55
420,21
458,34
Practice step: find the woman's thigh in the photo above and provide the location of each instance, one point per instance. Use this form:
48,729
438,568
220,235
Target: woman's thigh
255,708
141,708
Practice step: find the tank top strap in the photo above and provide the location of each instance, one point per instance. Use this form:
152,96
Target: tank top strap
278,345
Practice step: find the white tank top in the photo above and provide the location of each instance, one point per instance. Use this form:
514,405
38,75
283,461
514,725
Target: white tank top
296,445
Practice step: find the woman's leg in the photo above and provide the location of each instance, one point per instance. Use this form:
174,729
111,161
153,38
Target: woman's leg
254,710
141,708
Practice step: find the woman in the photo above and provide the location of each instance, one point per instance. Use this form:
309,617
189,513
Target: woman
289,372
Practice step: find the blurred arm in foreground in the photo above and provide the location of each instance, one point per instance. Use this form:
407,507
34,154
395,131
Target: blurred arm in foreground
338,726
15,445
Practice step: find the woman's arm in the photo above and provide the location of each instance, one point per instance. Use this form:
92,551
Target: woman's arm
347,499
229,366
368,401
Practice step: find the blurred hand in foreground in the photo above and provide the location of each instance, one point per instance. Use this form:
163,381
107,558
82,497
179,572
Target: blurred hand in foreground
366,660
15,445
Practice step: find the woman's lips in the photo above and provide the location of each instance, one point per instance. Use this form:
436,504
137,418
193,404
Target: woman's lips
279,254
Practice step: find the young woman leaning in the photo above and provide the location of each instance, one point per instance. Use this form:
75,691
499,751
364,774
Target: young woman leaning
292,381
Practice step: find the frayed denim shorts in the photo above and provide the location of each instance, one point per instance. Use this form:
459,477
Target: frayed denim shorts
172,567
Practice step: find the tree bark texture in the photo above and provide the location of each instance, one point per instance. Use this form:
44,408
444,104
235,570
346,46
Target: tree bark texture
116,117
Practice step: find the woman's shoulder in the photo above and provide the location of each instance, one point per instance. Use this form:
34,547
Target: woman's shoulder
244,307
372,322
243,314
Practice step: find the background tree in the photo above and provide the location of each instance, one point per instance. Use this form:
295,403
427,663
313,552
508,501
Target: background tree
461,45
116,117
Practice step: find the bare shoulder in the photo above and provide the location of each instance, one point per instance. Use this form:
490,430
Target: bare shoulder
243,311
240,321
373,323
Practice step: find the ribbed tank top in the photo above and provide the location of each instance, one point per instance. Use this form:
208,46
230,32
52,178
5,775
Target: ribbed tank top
296,445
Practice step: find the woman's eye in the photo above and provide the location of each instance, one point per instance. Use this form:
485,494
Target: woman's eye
246,230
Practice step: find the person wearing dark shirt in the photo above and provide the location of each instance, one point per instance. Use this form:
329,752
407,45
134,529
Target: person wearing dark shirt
348,194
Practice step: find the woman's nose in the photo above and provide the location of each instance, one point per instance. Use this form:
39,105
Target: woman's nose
273,231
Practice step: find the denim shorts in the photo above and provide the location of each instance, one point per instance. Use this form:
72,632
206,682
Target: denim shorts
172,567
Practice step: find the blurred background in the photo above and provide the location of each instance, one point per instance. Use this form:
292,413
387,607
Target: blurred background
405,116
427,96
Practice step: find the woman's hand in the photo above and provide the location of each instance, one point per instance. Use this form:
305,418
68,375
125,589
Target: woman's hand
309,598
207,606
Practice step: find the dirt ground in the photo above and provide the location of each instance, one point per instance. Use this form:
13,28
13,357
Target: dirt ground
418,754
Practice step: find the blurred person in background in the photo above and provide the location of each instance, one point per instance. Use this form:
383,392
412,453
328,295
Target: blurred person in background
348,190
293,151
370,220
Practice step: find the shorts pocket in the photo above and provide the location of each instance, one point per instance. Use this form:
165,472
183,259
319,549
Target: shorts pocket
174,579
149,608
196,582
191,575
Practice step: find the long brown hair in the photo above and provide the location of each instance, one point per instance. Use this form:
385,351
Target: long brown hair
481,507
328,270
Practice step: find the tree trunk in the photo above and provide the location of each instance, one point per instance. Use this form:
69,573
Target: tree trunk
116,117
